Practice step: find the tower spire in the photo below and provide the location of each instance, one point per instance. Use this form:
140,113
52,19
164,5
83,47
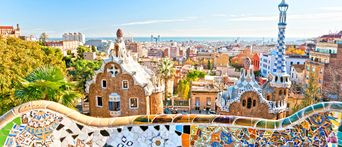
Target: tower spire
279,69
279,65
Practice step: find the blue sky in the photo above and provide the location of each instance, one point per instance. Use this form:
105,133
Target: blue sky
242,18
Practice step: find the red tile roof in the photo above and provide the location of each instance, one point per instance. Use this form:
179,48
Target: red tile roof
6,27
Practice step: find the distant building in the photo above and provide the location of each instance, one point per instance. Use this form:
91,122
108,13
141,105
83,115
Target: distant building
294,60
65,46
74,37
297,74
267,61
203,96
133,46
89,56
155,53
101,45
331,38
320,60
247,53
122,87
28,38
10,31
221,60
173,52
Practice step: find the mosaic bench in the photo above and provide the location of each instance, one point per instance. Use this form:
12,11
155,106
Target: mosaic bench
45,123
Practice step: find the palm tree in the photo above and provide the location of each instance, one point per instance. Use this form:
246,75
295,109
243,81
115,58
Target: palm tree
47,83
166,71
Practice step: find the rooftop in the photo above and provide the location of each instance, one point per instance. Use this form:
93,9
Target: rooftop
299,68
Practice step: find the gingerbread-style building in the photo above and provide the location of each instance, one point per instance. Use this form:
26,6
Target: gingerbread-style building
248,98
122,87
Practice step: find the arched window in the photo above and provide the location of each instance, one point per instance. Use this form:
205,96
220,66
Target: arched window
243,103
268,97
285,91
281,79
276,78
249,103
254,103
280,92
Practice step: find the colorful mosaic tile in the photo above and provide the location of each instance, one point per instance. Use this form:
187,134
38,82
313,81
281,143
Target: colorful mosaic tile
43,127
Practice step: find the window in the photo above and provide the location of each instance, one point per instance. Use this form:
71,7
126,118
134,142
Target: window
99,101
133,103
114,102
208,101
125,84
113,70
254,103
197,103
280,92
114,106
286,92
249,103
268,97
291,63
104,84
243,103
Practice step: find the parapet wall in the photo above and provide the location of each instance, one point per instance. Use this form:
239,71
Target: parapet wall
48,123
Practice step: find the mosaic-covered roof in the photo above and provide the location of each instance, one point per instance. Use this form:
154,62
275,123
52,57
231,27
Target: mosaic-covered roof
142,75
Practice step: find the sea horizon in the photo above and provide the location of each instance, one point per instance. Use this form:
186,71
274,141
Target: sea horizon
198,39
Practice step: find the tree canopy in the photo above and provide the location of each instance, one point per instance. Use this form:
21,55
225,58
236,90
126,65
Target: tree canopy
183,88
83,70
18,58
47,83
81,50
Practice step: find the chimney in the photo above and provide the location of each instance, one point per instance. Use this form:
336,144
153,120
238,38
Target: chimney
18,28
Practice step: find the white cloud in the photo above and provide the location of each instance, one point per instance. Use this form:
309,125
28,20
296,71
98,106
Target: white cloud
219,15
254,18
157,21
332,8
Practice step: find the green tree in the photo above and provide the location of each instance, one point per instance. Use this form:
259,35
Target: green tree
166,72
93,48
47,83
194,75
183,88
83,71
81,50
209,65
17,59
43,37
312,92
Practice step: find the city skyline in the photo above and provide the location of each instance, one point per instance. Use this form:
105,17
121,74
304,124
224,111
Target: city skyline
172,19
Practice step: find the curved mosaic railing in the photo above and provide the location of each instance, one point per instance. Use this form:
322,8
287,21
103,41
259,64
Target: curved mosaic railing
49,123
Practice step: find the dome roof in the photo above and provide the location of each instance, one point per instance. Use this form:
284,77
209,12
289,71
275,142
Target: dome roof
119,33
